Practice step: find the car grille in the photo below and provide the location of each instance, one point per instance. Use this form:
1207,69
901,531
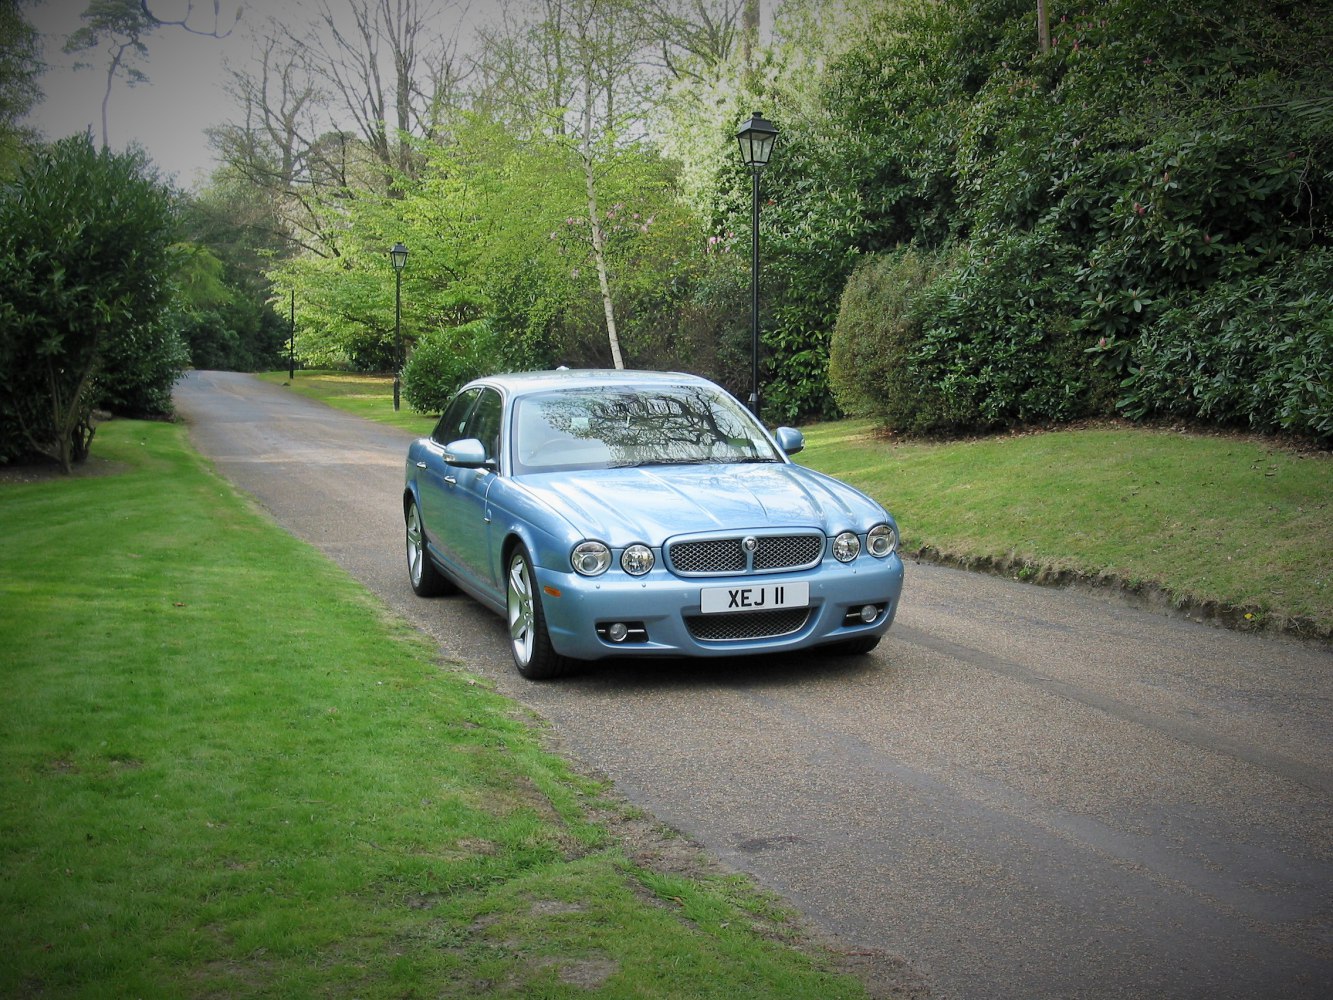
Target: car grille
727,556
748,625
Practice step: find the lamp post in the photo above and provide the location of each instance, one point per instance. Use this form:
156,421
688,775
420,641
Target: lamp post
756,138
291,342
398,255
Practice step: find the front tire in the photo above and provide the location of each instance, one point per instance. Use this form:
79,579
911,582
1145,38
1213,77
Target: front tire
529,641
426,579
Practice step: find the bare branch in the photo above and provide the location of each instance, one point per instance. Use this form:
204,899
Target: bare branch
184,22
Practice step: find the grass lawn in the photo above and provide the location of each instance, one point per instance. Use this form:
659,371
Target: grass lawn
229,772
1233,525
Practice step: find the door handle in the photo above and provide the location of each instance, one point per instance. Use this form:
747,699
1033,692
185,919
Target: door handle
421,465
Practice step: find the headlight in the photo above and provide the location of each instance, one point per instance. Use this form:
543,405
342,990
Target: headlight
636,560
590,558
846,546
882,540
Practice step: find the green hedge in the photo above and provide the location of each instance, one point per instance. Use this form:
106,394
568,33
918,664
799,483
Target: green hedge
1255,351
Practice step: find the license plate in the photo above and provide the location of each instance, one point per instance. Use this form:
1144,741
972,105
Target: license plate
768,597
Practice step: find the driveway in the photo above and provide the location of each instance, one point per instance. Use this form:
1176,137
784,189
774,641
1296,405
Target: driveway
1022,793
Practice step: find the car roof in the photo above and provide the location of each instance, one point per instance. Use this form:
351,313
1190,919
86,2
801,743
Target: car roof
527,383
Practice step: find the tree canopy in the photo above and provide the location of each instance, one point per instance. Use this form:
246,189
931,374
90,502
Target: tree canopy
968,223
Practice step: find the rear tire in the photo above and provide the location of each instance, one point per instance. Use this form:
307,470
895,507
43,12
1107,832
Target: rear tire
529,641
425,576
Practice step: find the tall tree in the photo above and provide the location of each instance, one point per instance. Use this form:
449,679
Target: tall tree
122,28
580,74
387,73
329,109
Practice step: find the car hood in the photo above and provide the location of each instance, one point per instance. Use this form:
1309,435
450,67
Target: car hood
654,503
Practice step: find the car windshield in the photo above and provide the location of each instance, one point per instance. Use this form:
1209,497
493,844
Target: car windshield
620,428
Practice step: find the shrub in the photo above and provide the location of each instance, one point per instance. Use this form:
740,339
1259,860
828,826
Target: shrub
981,337
1255,351
84,271
139,368
878,334
997,335
443,361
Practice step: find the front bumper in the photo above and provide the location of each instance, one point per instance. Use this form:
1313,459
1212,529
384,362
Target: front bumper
664,616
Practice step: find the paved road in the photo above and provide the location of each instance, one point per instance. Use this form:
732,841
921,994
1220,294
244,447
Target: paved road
1023,792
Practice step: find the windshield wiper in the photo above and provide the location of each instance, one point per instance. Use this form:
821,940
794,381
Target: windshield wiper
700,460
643,463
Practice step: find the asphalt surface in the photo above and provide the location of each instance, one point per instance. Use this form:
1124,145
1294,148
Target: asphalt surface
1023,792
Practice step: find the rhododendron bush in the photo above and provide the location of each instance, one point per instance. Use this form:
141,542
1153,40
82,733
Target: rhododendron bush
1136,221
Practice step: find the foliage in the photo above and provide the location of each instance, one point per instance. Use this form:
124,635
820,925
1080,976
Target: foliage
1067,201
997,337
879,332
978,337
139,366
346,296
224,298
443,360
237,335
1158,157
84,268
1254,352
497,227
20,64
121,28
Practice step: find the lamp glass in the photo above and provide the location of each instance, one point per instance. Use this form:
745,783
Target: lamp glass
756,138
399,256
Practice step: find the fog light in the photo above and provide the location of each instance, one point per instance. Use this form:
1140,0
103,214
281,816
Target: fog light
617,632
869,613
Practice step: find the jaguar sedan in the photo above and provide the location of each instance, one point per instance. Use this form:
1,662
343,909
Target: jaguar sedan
614,513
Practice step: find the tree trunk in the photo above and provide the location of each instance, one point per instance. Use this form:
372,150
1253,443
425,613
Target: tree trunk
599,258
598,241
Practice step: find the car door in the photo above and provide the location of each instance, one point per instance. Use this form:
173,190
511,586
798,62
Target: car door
437,481
469,513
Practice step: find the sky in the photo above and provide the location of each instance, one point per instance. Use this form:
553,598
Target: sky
187,77
168,115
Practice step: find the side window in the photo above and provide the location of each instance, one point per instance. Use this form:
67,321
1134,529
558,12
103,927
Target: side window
451,425
485,422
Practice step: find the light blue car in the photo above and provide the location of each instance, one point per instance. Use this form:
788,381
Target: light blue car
615,513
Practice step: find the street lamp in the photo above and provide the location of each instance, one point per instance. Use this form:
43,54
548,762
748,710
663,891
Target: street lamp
756,138
398,255
291,343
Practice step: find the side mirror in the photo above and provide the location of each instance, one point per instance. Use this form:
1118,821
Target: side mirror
789,439
469,453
